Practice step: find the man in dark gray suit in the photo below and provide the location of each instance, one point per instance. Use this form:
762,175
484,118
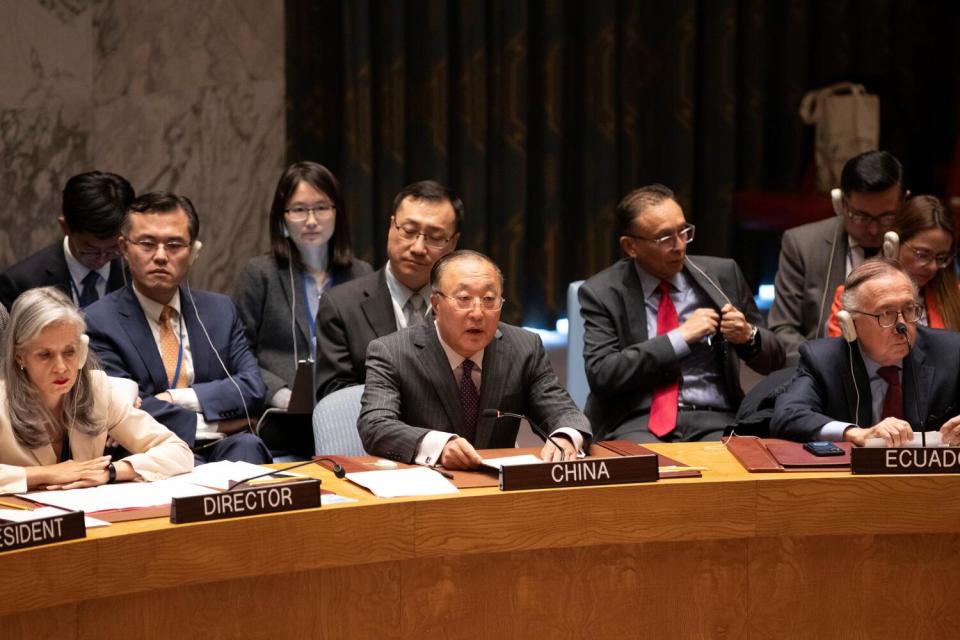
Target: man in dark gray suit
816,257
891,379
665,332
424,227
428,386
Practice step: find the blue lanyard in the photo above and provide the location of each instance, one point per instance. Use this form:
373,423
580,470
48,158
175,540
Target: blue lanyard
306,302
176,372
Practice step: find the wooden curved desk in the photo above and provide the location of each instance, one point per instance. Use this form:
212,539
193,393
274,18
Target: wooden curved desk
731,555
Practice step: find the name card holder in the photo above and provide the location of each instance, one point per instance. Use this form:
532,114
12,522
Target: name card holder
580,473
42,531
905,460
268,498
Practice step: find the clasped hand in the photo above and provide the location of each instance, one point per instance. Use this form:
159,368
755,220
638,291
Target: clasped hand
730,322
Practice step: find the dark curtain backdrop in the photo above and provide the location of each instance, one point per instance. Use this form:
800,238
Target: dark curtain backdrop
543,114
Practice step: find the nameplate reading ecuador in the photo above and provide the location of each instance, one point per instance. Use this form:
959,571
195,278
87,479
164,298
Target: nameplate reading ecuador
34,533
269,498
580,473
915,460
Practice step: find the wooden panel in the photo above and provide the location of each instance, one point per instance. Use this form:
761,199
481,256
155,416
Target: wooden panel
54,623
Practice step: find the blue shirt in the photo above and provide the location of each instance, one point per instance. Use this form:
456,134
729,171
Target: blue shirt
702,383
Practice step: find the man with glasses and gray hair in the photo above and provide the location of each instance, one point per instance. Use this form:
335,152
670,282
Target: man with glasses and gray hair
887,379
665,332
424,226
816,257
434,391
86,263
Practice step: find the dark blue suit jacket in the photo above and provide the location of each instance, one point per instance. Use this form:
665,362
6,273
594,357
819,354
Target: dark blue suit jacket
121,338
824,389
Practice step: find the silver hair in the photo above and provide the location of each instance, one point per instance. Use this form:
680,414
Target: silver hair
32,422
871,270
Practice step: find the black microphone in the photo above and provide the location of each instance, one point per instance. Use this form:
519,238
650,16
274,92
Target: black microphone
494,413
337,471
901,328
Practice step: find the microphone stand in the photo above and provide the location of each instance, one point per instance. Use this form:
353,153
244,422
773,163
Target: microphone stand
901,328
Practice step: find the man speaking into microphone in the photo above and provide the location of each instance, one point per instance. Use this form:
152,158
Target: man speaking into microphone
890,379
433,390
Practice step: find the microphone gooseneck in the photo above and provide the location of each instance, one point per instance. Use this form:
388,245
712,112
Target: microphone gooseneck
494,413
338,471
901,328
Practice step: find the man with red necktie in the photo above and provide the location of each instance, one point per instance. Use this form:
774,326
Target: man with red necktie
665,332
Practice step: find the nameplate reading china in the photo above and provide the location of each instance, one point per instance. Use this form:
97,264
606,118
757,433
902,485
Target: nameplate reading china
34,533
580,473
269,498
905,460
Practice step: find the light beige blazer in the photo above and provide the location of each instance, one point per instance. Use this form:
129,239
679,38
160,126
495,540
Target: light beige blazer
156,452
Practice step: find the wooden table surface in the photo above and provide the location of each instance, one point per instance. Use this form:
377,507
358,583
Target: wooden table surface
728,555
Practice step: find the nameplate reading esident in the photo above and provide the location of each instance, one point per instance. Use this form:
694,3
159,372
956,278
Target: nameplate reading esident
905,460
580,473
34,533
269,498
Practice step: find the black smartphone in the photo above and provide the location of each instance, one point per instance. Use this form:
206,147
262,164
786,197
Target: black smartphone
823,449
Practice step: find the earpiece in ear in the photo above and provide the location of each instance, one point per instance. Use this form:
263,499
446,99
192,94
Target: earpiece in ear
891,245
836,199
195,251
286,232
83,351
847,329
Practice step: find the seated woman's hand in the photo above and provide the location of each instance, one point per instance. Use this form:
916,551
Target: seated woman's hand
75,475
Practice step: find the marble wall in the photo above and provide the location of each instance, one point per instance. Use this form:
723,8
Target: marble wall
172,94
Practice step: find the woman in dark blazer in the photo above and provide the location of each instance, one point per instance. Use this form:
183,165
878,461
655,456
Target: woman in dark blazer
277,293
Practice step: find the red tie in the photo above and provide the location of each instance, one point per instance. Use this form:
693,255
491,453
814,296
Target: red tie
663,411
893,401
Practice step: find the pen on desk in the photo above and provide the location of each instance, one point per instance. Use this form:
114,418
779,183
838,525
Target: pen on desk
445,474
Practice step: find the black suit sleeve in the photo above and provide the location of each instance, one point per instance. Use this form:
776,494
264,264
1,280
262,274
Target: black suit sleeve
334,365
801,410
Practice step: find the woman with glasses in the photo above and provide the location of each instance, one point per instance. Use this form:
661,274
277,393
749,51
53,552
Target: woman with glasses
57,410
277,294
926,250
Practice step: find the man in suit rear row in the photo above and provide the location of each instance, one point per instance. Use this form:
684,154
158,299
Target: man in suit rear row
85,264
892,378
428,386
424,227
186,349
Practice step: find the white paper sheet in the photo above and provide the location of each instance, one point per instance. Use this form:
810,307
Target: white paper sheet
126,495
511,461
223,475
26,515
933,440
418,481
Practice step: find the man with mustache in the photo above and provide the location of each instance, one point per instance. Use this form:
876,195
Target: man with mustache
186,349
424,227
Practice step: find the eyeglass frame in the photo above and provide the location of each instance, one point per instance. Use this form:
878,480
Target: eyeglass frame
144,246
676,235
899,314
884,220
942,262
433,243
318,211
474,301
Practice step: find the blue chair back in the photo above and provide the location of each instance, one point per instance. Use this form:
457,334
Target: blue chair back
335,423
576,373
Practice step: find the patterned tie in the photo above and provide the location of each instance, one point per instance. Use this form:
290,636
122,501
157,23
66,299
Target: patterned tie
413,310
89,295
469,402
893,401
170,348
663,410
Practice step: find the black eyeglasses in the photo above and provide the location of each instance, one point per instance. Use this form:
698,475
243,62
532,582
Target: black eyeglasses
410,232
888,317
684,234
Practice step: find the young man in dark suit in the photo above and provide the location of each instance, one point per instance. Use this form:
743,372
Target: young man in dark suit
86,263
424,227
186,349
